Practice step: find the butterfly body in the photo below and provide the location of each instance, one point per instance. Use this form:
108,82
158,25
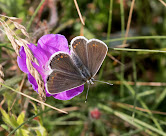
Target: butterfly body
82,68
69,71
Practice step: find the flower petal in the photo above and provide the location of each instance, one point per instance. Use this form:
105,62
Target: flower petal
21,60
52,43
33,82
67,95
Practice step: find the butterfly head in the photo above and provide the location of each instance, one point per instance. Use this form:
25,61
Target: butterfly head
90,81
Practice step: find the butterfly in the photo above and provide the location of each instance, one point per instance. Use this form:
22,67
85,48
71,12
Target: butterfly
72,70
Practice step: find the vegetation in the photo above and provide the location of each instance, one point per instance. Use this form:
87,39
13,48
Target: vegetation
135,34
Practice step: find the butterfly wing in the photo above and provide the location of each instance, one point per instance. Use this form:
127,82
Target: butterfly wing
79,48
96,52
90,52
62,61
58,82
65,75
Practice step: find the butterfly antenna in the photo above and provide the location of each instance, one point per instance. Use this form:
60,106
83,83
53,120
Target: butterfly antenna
102,82
87,94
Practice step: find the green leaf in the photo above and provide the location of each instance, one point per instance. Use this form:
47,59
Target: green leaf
22,132
6,117
137,123
14,121
9,119
5,127
40,131
20,118
35,110
25,132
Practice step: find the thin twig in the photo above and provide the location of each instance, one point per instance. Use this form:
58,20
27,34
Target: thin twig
163,2
1,74
140,109
34,99
79,13
20,88
140,83
82,30
136,38
34,14
129,20
22,82
114,59
139,50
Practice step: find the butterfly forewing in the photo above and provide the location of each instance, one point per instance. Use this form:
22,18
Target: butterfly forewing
58,82
64,63
79,49
96,51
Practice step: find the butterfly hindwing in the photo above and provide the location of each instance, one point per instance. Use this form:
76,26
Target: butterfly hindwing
58,82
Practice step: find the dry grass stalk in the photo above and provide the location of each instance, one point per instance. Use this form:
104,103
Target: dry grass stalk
137,108
114,59
164,3
140,83
60,110
17,42
1,75
129,20
79,13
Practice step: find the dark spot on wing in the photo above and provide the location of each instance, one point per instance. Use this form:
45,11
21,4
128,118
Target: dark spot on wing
50,64
47,78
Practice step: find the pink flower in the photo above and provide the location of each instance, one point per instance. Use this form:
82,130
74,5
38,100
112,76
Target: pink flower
47,46
95,114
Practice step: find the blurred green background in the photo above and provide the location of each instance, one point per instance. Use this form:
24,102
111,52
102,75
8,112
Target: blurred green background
138,76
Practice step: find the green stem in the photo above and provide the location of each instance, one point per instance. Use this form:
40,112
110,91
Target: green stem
135,38
30,119
137,123
142,103
5,46
122,17
35,13
122,54
108,34
122,75
110,20
63,26
139,50
133,132
135,81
